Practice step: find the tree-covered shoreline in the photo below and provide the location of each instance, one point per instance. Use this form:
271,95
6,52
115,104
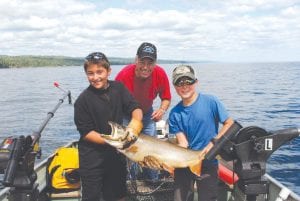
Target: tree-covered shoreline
43,61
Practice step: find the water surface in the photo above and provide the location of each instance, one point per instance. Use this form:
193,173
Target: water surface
260,94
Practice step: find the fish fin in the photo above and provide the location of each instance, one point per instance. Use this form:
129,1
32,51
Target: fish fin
141,163
152,162
196,169
168,169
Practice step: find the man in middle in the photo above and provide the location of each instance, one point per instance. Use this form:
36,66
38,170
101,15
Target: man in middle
145,80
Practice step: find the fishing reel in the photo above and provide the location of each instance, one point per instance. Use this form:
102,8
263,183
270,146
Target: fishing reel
249,148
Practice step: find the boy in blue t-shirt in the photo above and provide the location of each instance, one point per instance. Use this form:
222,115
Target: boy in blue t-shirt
195,122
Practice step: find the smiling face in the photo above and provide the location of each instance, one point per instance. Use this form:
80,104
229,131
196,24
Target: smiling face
186,90
144,67
97,75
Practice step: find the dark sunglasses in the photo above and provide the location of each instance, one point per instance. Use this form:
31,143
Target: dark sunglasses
184,82
96,56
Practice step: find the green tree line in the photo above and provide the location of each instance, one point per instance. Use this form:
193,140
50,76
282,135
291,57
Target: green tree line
34,61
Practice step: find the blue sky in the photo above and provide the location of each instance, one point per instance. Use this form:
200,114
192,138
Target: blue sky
215,30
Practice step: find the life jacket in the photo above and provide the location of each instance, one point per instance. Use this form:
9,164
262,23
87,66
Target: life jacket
63,170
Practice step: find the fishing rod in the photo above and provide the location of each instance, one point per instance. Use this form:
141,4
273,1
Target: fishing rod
17,158
57,85
36,135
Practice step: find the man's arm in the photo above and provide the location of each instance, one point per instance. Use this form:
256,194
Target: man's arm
159,113
164,105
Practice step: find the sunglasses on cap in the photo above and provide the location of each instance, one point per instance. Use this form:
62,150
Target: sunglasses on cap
96,56
184,82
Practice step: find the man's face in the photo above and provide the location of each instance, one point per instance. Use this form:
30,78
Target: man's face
97,76
144,67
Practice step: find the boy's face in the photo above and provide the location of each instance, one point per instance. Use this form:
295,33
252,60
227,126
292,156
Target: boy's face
97,75
186,89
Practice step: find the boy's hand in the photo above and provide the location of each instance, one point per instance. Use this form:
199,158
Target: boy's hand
134,127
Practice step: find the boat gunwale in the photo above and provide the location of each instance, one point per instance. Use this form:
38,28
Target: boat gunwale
272,180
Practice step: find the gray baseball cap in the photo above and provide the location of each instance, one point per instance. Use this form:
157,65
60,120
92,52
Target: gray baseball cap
183,71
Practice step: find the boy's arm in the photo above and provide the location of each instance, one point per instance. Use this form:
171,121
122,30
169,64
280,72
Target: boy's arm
135,125
182,140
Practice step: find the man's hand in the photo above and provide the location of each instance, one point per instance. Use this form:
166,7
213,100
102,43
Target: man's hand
158,114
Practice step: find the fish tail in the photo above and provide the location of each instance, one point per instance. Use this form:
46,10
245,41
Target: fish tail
196,169
168,169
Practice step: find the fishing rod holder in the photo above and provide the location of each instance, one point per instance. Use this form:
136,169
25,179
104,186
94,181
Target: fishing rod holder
17,159
249,148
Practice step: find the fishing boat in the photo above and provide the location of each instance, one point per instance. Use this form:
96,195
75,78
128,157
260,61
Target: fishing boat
160,191
26,181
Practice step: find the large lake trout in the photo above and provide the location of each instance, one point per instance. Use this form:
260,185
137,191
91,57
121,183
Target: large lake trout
155,153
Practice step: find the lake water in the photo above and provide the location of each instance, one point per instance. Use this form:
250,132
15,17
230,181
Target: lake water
261,94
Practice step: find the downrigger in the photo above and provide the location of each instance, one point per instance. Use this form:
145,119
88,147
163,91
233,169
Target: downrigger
17,158
249,148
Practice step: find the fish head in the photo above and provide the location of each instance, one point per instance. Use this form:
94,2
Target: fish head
118,132
120,137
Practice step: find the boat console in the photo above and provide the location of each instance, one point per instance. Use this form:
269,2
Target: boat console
249,148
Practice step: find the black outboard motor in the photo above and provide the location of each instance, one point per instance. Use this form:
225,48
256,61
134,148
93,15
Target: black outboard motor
250,148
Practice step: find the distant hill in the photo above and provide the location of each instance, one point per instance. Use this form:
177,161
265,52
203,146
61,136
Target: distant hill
34,61
40,61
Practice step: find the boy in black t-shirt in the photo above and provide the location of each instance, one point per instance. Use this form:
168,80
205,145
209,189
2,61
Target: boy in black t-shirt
102,168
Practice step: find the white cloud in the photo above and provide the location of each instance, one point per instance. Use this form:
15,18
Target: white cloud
196,30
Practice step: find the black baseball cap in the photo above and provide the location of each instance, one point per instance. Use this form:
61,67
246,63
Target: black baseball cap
147,50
